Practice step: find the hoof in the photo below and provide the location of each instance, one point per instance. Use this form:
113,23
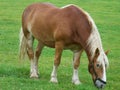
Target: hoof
35,76
76,82
54,80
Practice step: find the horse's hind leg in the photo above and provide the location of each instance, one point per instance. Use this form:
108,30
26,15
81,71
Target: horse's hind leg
34,64
76,62
34,61
30,52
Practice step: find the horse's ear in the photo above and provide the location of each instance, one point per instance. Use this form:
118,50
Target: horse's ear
106,52
97,52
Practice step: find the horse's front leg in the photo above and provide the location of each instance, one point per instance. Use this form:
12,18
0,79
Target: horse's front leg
58,53
76,62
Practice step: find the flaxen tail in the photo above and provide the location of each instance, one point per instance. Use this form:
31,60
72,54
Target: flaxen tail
22,46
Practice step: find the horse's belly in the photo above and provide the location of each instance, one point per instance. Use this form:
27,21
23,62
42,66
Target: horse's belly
49,44
44,36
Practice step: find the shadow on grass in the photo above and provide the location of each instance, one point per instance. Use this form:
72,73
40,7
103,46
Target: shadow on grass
21,72
10,71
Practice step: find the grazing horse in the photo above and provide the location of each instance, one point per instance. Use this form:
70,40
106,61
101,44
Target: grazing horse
68,27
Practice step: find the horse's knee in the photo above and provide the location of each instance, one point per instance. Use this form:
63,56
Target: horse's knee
56,62
76,59
30,54
37,53
76,64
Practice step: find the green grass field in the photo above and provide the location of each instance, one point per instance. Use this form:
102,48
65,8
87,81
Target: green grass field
14,74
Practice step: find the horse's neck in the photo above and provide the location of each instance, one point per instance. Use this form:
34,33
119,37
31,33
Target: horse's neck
93,43
94,40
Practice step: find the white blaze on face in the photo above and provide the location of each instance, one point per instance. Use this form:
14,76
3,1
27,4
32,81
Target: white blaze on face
104,74
101,59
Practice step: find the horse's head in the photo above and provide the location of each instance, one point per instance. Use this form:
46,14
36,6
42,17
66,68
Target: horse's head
97,68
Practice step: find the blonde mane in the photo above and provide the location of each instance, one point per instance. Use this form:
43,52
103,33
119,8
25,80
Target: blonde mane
94,41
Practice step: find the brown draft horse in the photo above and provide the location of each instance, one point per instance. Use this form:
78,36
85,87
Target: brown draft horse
68,27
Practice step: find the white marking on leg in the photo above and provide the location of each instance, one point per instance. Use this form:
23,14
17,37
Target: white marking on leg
75,78
34,63
34,68
54,75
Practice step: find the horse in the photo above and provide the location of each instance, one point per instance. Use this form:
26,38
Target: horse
66,28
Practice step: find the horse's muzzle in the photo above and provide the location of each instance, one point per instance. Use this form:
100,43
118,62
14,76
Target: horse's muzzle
100,83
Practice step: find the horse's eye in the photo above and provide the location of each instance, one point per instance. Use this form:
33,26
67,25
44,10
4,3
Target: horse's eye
97,65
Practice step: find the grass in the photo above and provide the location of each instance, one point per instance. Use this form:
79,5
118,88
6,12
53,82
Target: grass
14,75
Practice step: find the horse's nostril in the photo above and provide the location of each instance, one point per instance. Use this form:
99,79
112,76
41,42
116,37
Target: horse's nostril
102,86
